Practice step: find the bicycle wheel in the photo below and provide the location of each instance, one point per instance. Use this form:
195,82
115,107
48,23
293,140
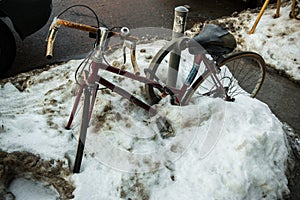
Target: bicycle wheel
7,48
242,73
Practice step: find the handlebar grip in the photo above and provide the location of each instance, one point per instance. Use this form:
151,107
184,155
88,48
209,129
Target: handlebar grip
50,43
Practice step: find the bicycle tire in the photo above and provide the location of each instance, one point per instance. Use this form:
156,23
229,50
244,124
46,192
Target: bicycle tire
151,72
249,74
246,78
7,48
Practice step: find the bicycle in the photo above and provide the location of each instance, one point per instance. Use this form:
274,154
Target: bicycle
212,73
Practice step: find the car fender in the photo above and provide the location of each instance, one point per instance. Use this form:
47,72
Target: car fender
27,16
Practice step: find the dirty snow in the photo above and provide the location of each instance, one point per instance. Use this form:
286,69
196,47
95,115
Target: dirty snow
222,150
276,39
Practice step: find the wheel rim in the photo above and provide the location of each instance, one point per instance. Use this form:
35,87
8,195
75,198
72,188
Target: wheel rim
242,76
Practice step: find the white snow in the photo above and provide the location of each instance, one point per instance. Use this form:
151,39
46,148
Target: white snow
276,39
222,150
26,189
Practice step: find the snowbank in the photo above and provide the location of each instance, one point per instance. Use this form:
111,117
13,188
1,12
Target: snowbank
222,150
276,39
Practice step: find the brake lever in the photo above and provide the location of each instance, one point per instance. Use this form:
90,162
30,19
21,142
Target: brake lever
124,53
124,34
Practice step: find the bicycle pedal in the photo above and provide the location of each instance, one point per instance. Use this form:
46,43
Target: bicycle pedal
165,128
166,135
230,99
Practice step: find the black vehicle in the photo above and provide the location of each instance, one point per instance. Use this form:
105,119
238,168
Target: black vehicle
27,17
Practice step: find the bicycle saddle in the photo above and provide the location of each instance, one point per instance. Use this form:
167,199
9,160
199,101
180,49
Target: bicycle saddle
215,39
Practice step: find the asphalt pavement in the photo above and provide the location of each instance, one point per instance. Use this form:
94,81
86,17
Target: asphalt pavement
72,44
281,94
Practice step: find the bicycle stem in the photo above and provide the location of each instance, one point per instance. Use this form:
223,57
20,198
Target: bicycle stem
97,56
102,32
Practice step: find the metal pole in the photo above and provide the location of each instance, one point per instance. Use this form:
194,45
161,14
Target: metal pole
259,16
178,30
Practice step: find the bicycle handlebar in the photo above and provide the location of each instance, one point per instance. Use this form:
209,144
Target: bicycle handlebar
56,23
124,34
50,43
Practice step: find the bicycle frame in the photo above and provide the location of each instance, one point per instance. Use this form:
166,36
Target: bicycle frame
94,80
190,82
182,98
91,81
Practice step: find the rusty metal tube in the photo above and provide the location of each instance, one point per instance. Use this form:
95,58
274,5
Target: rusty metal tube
54,28
259,16
278,8
134,63
78,26
50,43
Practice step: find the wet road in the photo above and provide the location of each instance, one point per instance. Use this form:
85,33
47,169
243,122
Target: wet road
279,93
282,96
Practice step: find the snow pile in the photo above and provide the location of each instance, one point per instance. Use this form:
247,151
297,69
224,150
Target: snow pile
276,39
222,150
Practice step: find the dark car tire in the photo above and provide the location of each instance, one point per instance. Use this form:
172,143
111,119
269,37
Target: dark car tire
7,48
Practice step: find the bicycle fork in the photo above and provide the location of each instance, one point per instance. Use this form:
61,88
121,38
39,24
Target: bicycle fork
83,89
88,88
220,90
83,130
